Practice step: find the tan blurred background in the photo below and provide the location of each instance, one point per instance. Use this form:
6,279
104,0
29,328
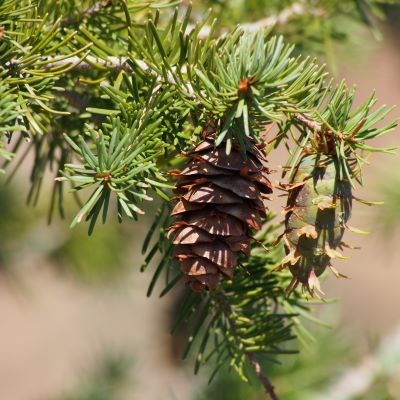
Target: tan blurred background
60,320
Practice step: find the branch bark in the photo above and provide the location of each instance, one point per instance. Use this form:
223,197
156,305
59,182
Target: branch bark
268,387
308,122
112,62
254,363
314,126
116,63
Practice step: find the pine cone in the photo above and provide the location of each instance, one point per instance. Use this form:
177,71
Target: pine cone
220,201
318,207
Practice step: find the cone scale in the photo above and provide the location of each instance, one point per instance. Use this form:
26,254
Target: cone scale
220,201
318,208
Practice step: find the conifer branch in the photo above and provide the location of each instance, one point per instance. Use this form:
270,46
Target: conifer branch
114,63
316,127
251,357
121,63
111,62
307,122
269,388
153,83
313,125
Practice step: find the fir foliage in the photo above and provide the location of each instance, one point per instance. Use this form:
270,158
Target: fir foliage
108,94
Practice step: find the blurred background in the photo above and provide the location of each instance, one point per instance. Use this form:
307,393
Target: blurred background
76,323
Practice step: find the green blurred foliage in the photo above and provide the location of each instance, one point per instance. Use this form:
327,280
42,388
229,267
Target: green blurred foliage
97,260
318,29
388,216
106,382
299,377
306,376
102,259
14,217
378,391
331,368
227,385
16,221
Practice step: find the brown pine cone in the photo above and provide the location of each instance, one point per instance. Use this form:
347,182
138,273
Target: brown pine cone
220,202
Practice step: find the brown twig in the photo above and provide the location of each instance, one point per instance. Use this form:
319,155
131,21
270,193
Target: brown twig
307,122
319,129
255,364
324,140
269,388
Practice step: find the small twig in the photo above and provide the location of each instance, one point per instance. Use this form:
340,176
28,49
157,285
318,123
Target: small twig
313,125
115,63
255,364
269,388
308,122
111,62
